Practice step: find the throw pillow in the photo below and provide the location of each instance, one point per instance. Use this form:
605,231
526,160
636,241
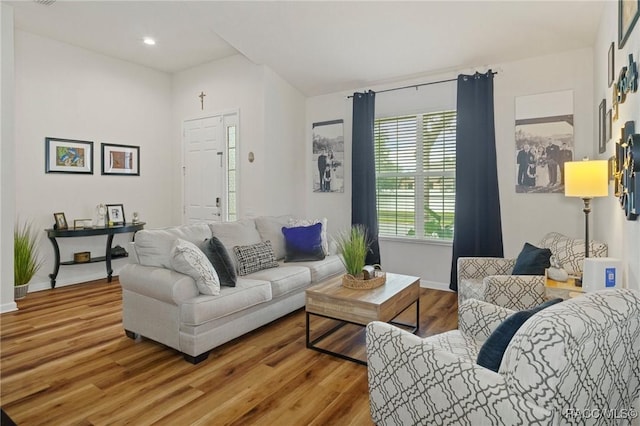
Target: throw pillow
532,260
188,259
492,351
303,243
219,258
255,257
308,222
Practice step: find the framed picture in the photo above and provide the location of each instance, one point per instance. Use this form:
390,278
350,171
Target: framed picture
82,223
61,220
68,156
602,131
115,214
628,12
608,127
120,160
611,62
328,156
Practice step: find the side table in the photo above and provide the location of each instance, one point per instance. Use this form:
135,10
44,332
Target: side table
109,231
563,289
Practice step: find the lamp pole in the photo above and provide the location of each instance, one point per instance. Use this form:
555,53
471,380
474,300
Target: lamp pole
586,210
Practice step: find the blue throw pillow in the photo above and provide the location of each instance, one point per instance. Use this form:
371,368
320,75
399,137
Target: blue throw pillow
303,243
492,351
221,261
532,261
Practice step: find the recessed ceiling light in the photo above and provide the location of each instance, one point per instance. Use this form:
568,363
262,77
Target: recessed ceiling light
149,41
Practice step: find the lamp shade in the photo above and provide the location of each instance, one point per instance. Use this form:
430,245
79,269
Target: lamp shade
586,179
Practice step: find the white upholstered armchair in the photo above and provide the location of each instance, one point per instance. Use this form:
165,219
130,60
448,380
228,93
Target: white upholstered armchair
562,364
489,278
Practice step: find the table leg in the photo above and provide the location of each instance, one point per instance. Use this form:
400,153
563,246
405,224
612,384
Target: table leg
56,267
108,257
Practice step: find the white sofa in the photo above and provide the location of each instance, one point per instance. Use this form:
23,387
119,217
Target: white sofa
161,304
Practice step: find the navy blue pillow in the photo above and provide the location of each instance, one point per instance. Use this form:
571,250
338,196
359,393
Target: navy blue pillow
220,260
303,243
492,351
532,261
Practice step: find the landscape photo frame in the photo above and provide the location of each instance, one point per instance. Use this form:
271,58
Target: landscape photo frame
68,156
628,13
115,214
123,160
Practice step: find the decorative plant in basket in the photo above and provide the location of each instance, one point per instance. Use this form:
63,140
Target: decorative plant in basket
353,246
26,259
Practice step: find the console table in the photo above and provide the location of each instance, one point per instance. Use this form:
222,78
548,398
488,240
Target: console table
109,231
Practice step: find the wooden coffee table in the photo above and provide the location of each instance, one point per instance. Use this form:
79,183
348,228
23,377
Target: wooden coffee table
331,300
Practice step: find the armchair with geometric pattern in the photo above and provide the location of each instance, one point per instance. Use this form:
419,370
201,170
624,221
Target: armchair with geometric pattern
564,364
489,278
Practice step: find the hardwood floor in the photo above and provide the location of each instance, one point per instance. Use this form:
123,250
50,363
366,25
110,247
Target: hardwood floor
64,359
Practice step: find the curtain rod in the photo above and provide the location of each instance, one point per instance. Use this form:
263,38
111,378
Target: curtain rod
418,85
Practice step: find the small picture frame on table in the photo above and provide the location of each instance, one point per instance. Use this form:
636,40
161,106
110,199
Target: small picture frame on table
602,127
61,221
115,214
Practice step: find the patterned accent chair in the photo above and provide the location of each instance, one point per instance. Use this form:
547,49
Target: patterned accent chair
489,278
564,362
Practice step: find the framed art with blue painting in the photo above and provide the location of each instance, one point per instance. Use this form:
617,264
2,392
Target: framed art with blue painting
68,156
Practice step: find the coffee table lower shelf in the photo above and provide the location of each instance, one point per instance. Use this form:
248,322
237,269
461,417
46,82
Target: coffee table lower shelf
311,344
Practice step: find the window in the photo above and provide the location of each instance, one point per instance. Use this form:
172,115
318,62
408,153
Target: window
232,213
415,175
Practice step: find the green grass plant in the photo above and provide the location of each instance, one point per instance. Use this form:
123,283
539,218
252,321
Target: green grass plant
26,257
353,246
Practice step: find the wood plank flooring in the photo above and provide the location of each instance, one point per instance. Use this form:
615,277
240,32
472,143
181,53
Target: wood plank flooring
64,360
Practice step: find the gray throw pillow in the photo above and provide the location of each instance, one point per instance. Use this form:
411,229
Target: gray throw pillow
221,261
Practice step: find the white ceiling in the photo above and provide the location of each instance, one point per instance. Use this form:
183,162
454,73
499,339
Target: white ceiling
320,47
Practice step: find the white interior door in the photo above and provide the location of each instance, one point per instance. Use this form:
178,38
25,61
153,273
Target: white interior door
204,169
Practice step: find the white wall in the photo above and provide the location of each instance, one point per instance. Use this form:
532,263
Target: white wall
67,92
610,225
7,158
271,117
525,217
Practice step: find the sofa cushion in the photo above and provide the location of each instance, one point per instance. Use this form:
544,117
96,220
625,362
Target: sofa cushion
246,293
255,257
303,243
153,246
492,351
284,279
188,259
221,261
307,222
532,260
239,233
270,229
322,269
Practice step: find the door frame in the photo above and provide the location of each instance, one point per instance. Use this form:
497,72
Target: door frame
223,114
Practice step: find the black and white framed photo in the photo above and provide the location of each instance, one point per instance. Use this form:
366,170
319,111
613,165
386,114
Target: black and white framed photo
115,214
628,13
602,127
68,156
328,156
120,160
611,64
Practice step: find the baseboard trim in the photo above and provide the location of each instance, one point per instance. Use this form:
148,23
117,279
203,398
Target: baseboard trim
434,285
8,307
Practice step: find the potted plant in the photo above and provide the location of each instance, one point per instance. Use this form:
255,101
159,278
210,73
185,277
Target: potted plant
353,246
26,260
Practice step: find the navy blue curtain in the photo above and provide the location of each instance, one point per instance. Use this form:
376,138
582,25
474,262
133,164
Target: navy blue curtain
363,171
477,224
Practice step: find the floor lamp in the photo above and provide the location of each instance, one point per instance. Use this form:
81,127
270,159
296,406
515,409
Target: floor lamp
586,179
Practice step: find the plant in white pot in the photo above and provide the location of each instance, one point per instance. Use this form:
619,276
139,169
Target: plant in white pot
26,259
